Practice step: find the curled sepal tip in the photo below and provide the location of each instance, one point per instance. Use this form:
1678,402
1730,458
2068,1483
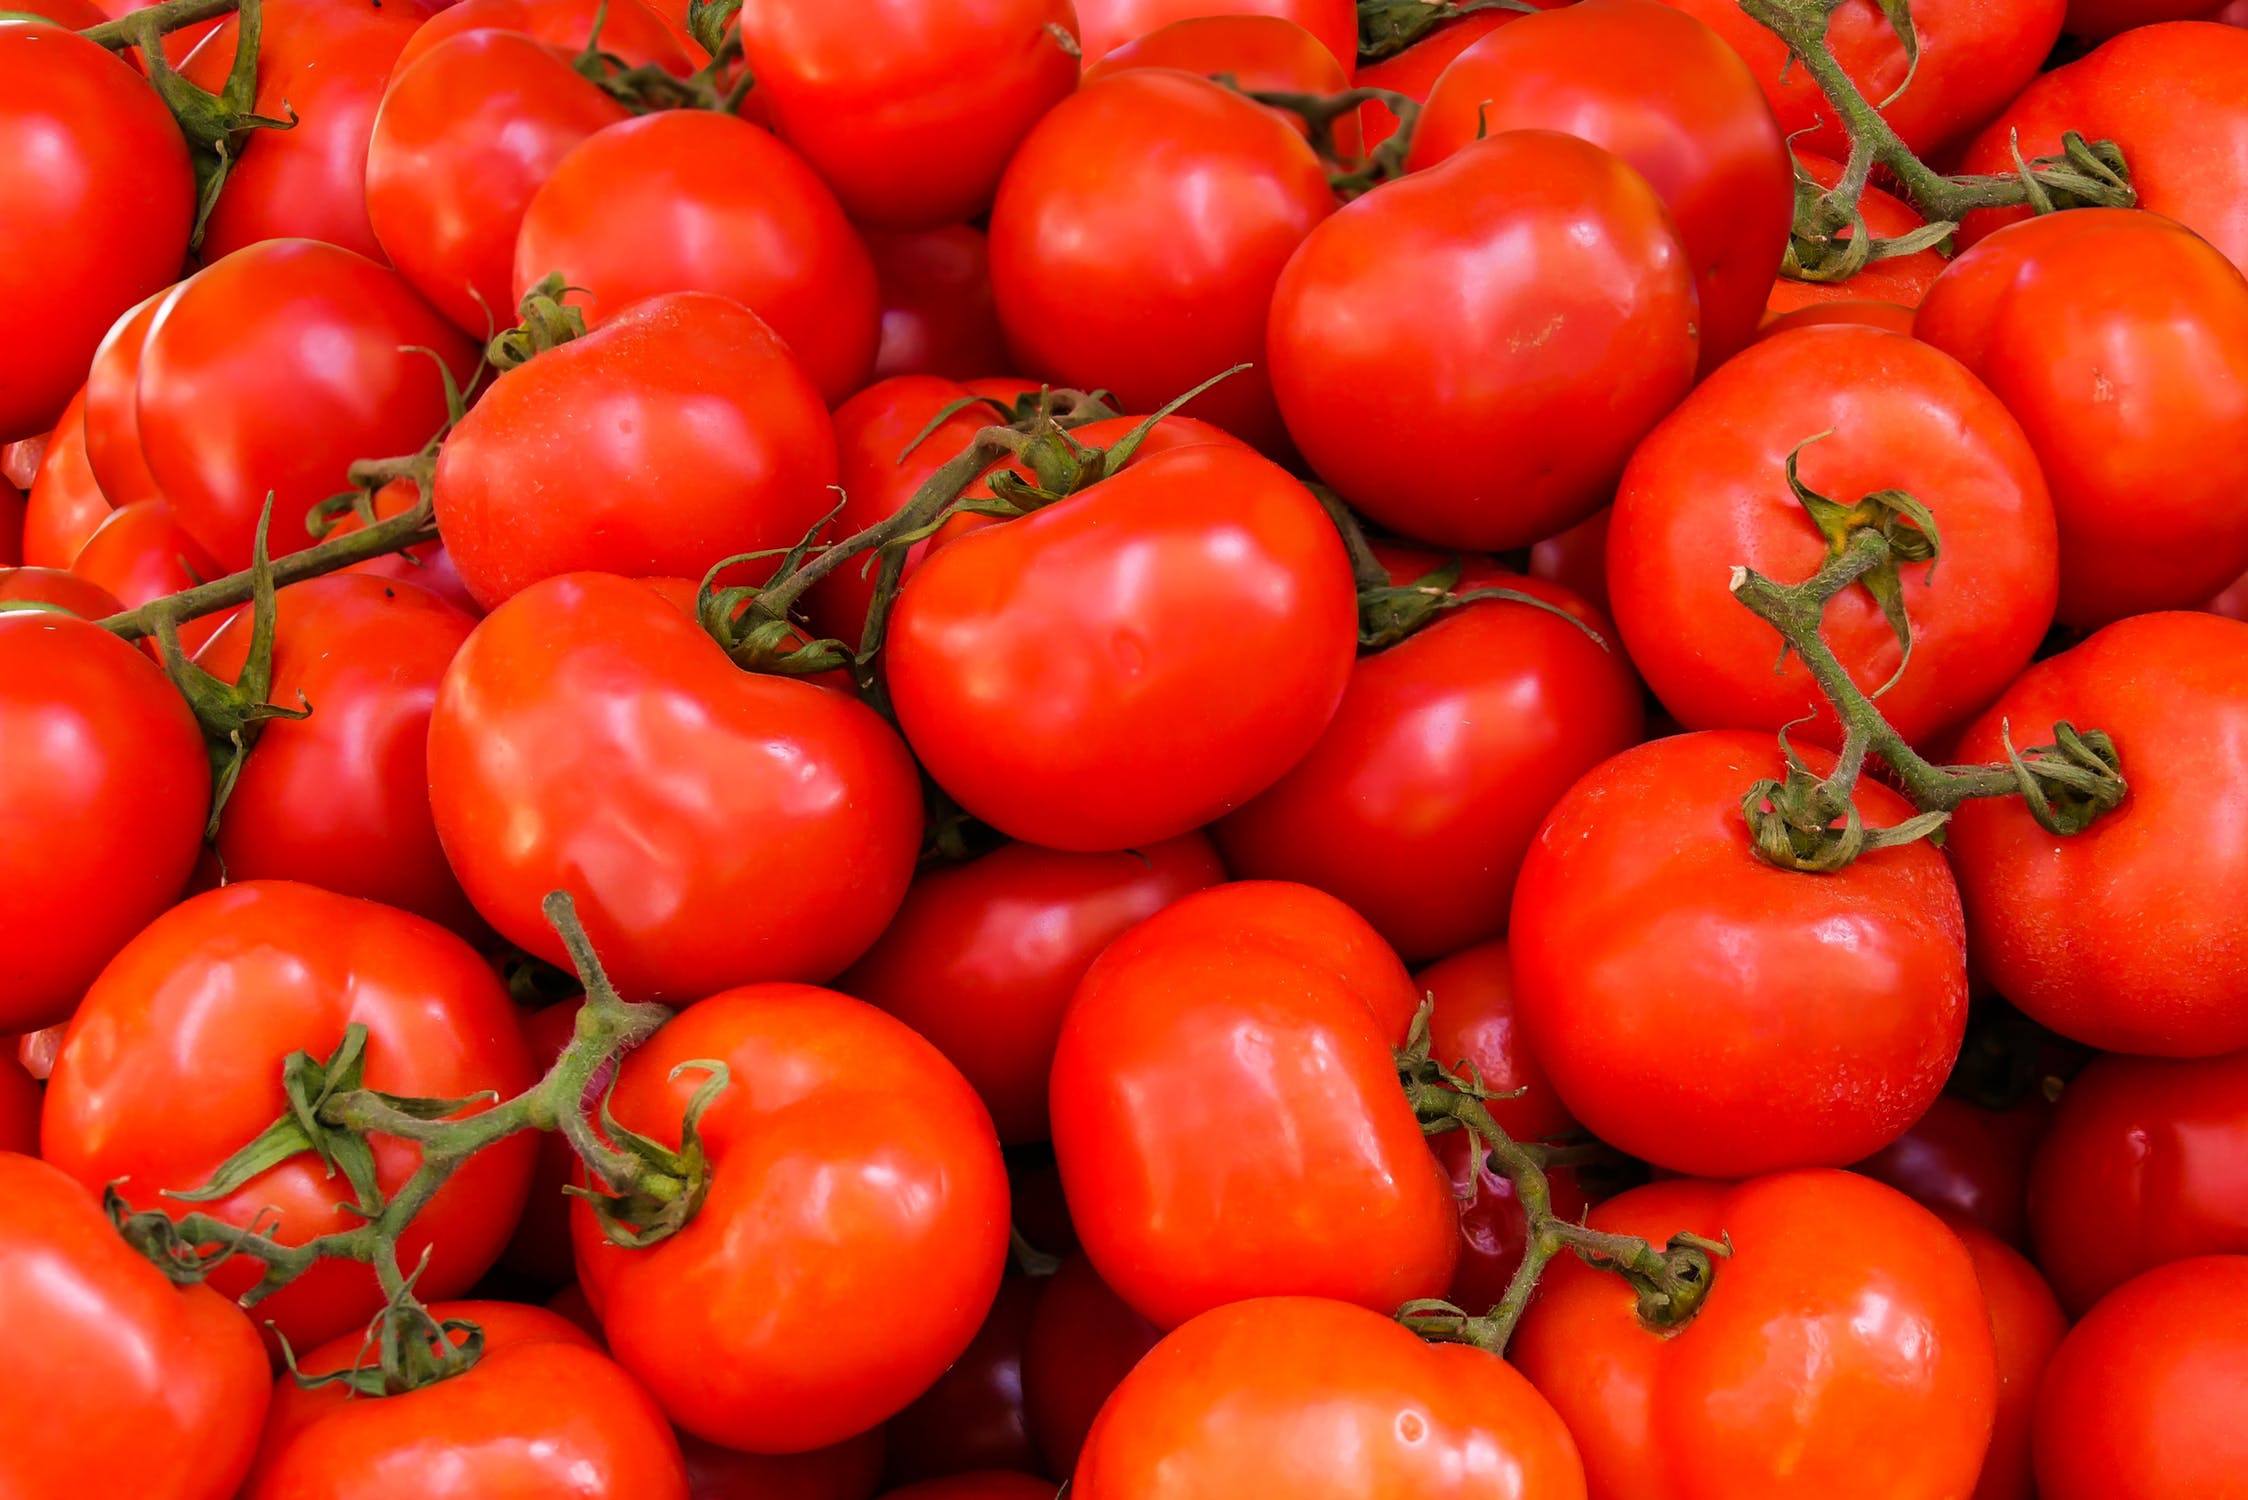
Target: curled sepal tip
547,322
2068,784
662,1189
413,1348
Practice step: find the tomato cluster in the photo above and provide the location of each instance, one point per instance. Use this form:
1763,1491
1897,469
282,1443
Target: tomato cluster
1318,749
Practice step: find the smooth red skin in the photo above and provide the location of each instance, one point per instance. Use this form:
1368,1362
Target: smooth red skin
1124,665
173,1062
141,553
428,566
2026,1326
850,1470
1261,53
1299,1398
939,314
1846,1318
848,1160
540,1247
690,200
1713,1014
1968,1163
635,32
270,372
1138,235
1414,71
1493,1233
2143,1399
1708,492
1550,324
76,15
1902,279
542,1413
982,958
100,198
2132,399
19,1108
992,1484
972,1418
111,408
64,505
341,799
111,1360
465,135
1473,1023
1083,1341
1577,559
1106,25
711,441
2146,962
1665,93
1891,317
909,111
715,826
1228,1122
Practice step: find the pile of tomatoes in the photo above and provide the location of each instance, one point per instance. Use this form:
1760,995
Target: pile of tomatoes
1072,772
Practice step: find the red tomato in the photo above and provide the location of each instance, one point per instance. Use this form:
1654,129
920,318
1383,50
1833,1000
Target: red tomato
1577,559
1550,324
1846,1318
428,566
1122,666
972,1418
1968,1163
1414,71
1318,1400
850,1470
848,1161
2026,1326
141,553
1083,1341
636,33
715,826
173,1062
908,110
991,1484
1891,317
65,505
100,199
120,1383
542,1413
111,408
1109,24
2144,963
19,1107
1709,1012
1493,1233
540,1246
1868,411
1902,279
1260,53
82,597
982,958
2143,1399
939,315
76,15
1472,1028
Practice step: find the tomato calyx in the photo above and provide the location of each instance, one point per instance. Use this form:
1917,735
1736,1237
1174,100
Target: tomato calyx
547,322
412,1348
720,85
1388,27
1320,112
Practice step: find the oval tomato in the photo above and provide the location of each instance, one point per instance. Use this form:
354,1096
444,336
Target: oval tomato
1968,1163
1902,279
65,506
1109,24
1083,1341
972,1417
939,313
111,407
2026,1325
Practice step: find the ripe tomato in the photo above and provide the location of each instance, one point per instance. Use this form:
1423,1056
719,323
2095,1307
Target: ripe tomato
637,34
1891,317
1260,53
1109,24
543,1412
1577,559
1902,279
82,597
849,1470
112,1361
1868,411
1846,1316
972,1418
2026,1326
141,553
100,199
428,566
1968,1163
2144,963
1083,1341
173,1062
1414,71
111,408
1126,664
939,314
1299,1398
1709,1012
65,505
1550,324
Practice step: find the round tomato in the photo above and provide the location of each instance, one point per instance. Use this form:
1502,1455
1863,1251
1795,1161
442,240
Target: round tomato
111,409
1968,1163
142,553
636,34
81,596
939,313
1414,71
1891,317
849,1470
2026,1325
65,505
1109,24
1083,1341
1903,279
1258,53
972,1418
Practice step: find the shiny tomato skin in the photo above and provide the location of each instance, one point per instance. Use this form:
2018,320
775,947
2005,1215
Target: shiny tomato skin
1549,326
630,30
1259,53
849,1470
1414,71
2143,1399
1903,279
1846,1317
1667,95
1300,1398
428,566
114,1359
141,553
81,596
1083,1341
848,1160
2026,1325
1708,492
1106,25
939,313
1968,1163
982,958
1891,317
542,1413
1714,1014
111,409
65,505
972,1418
1123,666
2146,963
1473,1030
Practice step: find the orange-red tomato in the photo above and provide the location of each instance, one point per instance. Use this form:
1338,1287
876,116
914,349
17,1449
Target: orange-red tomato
64,505
2026,1324
1414,71
111,407
1892,317
81,596
1259,53
636,33
141,553
1109,24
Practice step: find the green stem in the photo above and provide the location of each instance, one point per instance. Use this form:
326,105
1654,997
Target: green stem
154,21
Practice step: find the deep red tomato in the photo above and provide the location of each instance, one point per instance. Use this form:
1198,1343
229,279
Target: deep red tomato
142,553
82,597
111,408
1109,24
1867,411
100,199
542,1413
2144,963
1260,53
1846,1317
2026,1325
1577,559
638,34
1891,317
1493,1233
1550,323
19,1107
1665,93
1083,1341
1712,1013
64,506
428,566
939,315
2143,1399
1902,279
848,1161
982,958
540,1247
849,1470
991,1484
972,1418
1968,1163
111,1359
173,1062
1414,71
1298,1398
2096,20
1126,664
11,525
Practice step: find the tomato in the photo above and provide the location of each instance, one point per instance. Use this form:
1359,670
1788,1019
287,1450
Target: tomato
637,34
1122,666
121,1384
1259,53
1083,1341
428,566
76,15
2143,1399
1417,804
1550,323
1109,24
1968,1163
82,597
1308,1399
982,958
1902,279
111,409
465,134
542,1413
1868,411
850,1470
1577,559
1414,71
1846,1317
1890,317
1714,1014
2026,1325
909,111
991,1484
141,553
19,1108
972,1418
173,1062
65,505
2144,962
689,200
939,315
100,199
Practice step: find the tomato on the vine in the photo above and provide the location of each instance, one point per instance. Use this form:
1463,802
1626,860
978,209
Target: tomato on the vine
64,506
1254,53
1414,71
1109,24
140,554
